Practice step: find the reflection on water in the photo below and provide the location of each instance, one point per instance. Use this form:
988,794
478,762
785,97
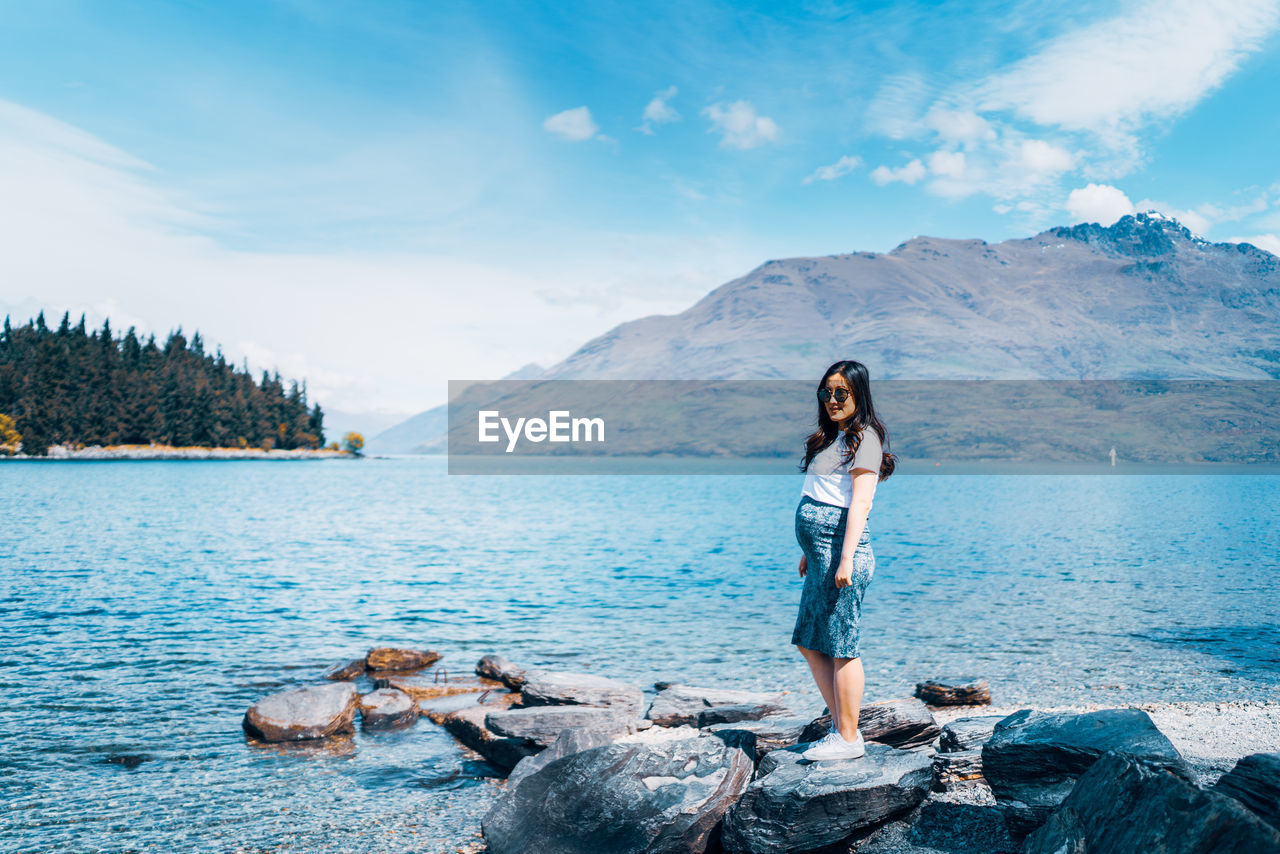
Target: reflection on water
144,606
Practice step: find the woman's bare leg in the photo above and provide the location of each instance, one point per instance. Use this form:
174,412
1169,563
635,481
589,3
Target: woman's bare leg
823,668
849,680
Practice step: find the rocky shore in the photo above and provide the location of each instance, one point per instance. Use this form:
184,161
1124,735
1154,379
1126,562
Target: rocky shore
594,763
169,452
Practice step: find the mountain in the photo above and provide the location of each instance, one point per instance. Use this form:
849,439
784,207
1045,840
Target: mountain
1141,299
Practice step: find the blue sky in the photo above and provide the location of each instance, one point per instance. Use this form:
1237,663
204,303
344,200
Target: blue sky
384,196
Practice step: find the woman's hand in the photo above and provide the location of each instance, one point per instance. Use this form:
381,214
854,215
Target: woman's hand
804,565
844,572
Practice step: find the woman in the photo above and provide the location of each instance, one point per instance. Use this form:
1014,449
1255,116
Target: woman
844,459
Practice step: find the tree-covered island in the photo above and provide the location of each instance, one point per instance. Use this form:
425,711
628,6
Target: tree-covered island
69,386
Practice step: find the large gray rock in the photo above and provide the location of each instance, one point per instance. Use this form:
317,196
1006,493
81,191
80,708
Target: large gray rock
316,711
622,798
905,723
1033,758
771,733
796,805
555,688
499,668
387,708
541,725
967,733
677,705
1122,805
569,741
1255,782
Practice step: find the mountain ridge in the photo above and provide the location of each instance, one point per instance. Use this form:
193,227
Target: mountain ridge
1144,298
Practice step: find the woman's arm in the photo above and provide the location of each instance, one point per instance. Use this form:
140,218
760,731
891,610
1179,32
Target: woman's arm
864,490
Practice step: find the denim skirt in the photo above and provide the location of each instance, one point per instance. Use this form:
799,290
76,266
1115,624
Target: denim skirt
829,616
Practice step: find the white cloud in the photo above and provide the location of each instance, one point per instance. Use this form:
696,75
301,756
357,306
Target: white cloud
1153,61
1269,242
895,109
840,168
1078,104
1100,203
658,111
963,126
574,125
1038,157
740,126
89,228
947,163
908,174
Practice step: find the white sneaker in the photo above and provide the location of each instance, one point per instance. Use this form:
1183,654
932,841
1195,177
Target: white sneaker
834,746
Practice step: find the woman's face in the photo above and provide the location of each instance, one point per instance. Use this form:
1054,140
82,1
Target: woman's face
837,411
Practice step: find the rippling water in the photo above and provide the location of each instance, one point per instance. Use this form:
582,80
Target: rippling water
145,605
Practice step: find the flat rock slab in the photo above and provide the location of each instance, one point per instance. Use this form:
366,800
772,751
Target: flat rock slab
542,725
569,741
797,805
1255,782
961,691
623,798
905,723
967,733
554,688
424,688
387,708
317,711
344,671
391,658
678,705
1033,759
771,733
1122,805
467,725
499,668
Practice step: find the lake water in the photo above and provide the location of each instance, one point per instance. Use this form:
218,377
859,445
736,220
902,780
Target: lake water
145,605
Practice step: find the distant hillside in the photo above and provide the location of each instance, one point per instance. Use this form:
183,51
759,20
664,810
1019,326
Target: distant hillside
1141,299
408,437
67,385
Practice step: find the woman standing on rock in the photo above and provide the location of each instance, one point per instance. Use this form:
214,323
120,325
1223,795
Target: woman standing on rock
844,460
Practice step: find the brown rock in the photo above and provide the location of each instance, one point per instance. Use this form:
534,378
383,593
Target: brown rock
387,708
317,711
390,658
954,692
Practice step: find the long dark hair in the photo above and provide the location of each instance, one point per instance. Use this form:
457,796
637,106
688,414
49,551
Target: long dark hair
855,374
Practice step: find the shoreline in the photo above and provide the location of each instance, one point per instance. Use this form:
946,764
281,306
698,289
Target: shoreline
62,453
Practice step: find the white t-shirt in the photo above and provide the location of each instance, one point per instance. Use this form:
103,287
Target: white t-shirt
828,482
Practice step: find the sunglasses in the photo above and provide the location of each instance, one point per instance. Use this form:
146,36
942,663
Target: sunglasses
842,394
